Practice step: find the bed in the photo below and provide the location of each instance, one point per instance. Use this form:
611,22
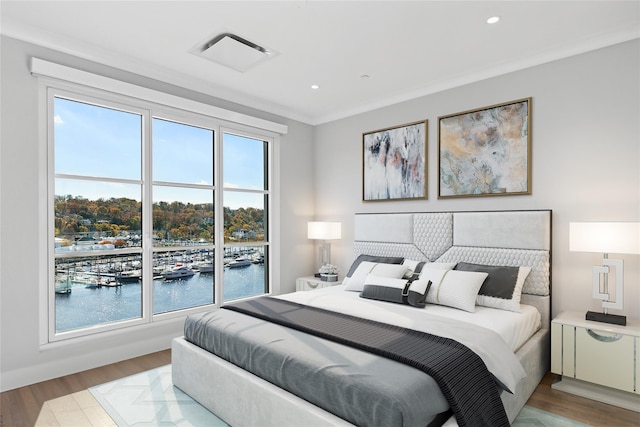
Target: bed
341,385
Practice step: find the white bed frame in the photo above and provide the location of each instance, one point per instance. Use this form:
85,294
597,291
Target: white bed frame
499,238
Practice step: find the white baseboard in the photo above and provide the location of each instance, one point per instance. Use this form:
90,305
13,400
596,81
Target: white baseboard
69,358
600,393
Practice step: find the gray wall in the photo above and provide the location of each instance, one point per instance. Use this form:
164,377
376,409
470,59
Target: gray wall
22,360
586,159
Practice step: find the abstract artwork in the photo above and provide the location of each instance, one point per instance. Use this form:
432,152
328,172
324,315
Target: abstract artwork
486,152
394,163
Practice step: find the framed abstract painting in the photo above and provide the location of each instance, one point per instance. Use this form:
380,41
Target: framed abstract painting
394,163
486,152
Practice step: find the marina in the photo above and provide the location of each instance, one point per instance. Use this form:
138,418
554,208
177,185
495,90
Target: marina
97,271
97,291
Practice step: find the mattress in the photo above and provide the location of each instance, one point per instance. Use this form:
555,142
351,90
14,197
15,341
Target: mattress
356,386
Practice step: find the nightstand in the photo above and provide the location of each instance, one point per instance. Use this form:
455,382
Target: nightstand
597,360
309,283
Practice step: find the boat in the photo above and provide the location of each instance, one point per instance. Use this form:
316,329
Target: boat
130,276
99,282
63,284
258,259
178,273
64,289
203,267
239,262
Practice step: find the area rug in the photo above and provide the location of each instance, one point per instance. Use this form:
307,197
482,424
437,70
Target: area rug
534,417
150,399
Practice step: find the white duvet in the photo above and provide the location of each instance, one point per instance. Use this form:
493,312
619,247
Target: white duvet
492,334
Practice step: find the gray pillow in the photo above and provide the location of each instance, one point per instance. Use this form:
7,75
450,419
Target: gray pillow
500,283
400,291
503,287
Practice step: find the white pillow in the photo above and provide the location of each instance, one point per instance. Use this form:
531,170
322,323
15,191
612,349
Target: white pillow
453,288
412,264
416,267
357,279
388,282
440,265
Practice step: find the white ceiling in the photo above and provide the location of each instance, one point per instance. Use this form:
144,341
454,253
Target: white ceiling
406,48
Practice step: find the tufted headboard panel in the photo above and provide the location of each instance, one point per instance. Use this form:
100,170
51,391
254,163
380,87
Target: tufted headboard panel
511,238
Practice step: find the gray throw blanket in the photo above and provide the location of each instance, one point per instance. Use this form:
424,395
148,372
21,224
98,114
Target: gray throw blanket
461,374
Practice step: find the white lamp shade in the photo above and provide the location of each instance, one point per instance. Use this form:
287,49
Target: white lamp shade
605,237
324,230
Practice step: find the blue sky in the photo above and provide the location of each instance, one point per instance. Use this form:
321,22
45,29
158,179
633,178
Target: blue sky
105,143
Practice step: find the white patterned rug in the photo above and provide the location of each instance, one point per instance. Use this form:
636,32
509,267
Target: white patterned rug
150,399
534,417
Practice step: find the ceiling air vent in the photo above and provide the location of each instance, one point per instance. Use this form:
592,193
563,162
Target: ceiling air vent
234,52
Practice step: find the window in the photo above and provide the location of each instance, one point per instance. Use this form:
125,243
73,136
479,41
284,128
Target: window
183,215
97,213
245,215
136,192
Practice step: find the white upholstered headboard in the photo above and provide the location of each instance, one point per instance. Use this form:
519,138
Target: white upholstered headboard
511,238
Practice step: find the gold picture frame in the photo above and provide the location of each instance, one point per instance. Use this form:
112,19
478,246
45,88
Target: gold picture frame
394,163
486,151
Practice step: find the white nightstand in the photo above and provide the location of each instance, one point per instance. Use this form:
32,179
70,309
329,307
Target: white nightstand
309,283
597,360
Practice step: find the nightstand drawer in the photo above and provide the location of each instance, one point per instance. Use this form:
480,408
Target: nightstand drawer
605,358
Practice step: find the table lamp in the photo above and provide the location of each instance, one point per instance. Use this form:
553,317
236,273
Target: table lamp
324,231
606,238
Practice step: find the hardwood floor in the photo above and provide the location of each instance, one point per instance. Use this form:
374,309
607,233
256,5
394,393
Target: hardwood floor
21,407
579,408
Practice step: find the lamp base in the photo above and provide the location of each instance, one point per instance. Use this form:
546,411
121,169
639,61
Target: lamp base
606,318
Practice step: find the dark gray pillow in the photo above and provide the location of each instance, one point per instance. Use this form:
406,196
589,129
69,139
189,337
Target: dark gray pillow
501,281
416,297
373,258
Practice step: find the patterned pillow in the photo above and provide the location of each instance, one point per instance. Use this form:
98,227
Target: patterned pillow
401,291
357,279
453,288
503,287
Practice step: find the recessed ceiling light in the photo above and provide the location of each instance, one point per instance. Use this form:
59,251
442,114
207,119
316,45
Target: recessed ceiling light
493,20
315,87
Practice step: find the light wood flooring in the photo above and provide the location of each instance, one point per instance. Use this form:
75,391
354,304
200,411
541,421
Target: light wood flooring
65,402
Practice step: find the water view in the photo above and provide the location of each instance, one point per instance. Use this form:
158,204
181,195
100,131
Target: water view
87,299
100,213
